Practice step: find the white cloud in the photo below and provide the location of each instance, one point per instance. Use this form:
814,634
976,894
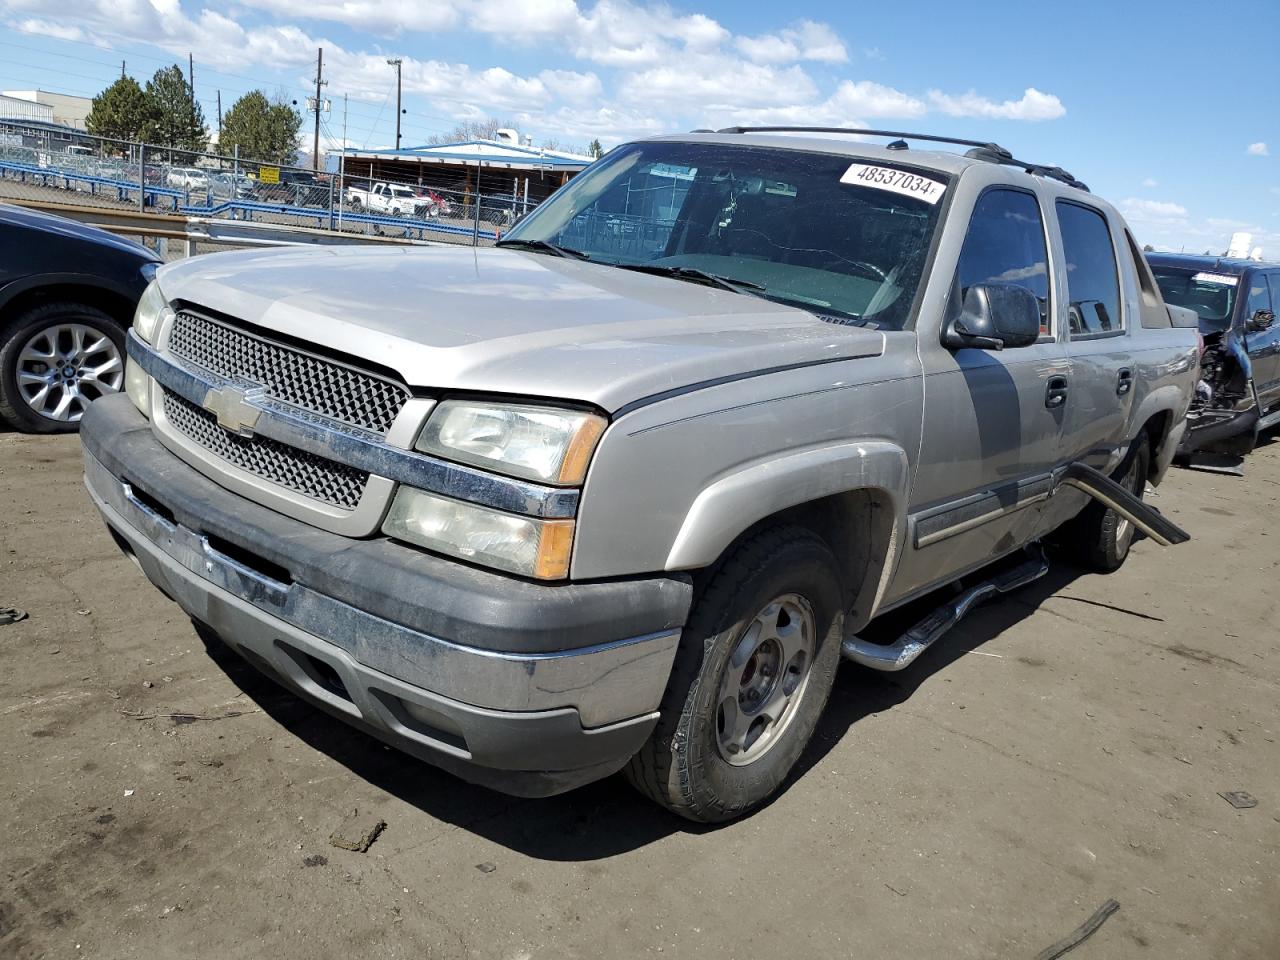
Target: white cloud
659,68
1150,184
45,28
571,85
376,16
1034,105
868,99
1258,149
806,40
768,48
519,19
715,82
1137,209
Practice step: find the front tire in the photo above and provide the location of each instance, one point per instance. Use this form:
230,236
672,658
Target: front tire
1098,536
753,672
54,360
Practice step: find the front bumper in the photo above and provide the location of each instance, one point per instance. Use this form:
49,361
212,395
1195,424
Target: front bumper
1220,431
457,666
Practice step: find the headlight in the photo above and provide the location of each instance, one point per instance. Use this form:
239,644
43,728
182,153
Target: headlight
152,309
545,444
523,545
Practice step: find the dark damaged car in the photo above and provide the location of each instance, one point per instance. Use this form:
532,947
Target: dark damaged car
1238,394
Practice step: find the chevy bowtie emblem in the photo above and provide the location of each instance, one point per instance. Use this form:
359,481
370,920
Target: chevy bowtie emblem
230,405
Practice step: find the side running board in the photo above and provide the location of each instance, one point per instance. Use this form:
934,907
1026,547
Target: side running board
900,654
1110,494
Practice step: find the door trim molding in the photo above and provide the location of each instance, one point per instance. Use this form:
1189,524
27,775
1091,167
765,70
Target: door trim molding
954,517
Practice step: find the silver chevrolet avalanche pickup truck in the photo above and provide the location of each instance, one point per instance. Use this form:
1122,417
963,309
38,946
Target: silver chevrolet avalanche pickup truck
620,492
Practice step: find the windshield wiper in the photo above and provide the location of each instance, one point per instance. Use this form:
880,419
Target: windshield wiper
694,275
545,247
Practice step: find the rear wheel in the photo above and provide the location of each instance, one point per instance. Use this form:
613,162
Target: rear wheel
752,675
1100,537
54,360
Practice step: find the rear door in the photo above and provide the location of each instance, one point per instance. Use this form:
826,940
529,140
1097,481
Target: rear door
1101,381
1264,344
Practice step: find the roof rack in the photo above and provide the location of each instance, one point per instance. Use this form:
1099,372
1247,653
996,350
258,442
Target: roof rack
981,150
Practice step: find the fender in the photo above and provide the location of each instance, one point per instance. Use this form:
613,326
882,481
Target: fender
11,291
734,502
1168,397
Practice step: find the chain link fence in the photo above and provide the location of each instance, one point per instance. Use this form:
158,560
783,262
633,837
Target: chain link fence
465,204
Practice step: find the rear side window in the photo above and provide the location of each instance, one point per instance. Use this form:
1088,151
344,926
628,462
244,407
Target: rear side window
1005,244
1093,283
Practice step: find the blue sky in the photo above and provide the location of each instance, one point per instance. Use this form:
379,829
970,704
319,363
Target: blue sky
1155,105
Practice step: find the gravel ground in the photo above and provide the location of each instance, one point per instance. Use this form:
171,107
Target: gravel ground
1063,746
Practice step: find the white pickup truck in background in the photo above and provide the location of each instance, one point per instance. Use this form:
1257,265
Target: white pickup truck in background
397,199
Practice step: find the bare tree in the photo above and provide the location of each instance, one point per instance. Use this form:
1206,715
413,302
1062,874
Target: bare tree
472,130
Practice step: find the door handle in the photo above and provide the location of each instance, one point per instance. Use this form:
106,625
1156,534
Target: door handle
1124,383
1055,394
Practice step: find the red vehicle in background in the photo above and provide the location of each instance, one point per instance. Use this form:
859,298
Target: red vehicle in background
440,207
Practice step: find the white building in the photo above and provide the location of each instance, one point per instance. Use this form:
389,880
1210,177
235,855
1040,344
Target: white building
17,108
67,110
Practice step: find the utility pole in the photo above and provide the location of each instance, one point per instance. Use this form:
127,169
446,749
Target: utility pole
219,119
121,69
342,162
315,145
396,63
189,124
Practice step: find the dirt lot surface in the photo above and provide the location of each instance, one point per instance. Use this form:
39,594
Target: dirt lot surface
1064,746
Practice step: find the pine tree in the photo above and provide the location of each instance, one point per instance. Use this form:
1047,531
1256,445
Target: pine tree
595,150
261,129
122,111
176,119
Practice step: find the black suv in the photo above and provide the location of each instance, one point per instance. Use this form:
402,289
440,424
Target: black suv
67,295
1239,390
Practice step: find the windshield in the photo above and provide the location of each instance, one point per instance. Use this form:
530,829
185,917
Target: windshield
819,231
1211,295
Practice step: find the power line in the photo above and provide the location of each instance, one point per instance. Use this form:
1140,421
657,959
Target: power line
97,80
258,82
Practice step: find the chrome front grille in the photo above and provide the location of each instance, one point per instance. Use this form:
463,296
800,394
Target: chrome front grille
297,470
315,384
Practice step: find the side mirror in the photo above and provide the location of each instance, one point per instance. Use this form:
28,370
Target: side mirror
1261,320
994,316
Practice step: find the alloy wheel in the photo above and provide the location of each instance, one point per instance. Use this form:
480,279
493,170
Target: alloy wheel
62,368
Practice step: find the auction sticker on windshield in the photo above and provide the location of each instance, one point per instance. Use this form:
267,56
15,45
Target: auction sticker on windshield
1222,278
895,181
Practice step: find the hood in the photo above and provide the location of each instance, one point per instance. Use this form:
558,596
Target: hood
503,321
48,223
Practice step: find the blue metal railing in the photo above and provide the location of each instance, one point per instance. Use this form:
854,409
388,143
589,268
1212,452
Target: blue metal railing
125,190
181,201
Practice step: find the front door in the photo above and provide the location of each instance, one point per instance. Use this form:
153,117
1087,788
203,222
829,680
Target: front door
1263,344
992,420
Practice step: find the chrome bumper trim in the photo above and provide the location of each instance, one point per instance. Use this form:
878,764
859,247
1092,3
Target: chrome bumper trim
606,683
361,448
